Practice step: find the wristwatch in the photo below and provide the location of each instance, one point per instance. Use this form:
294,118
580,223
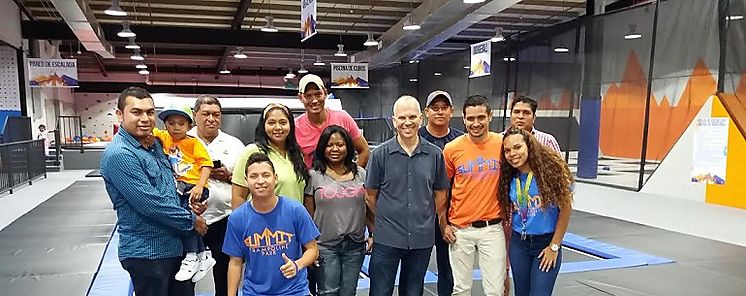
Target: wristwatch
554,247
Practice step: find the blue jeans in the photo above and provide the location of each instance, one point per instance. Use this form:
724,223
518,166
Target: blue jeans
528,279
156,277
193,241
445,274
383,266
339,267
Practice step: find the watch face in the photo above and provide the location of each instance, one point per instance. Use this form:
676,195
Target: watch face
555,247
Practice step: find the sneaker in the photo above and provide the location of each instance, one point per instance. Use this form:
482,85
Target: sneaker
188,268
204,266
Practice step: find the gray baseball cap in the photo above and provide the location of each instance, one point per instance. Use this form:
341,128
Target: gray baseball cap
437,93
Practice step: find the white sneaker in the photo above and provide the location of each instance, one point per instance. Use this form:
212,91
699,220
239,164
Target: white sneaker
188,268
204,266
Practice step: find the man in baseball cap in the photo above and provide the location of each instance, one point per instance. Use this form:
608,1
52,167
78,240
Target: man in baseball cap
439,109
308,127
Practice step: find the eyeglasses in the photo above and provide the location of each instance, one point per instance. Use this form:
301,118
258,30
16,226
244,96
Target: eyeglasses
314,95
271,106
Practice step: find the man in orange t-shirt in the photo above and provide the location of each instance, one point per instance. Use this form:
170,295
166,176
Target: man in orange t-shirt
473,225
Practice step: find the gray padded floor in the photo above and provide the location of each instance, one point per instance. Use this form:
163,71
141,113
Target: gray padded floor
56,248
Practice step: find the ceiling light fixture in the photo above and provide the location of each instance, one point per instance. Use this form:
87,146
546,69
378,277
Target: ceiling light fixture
132,44
225,71
144,72
302,70
240,54
438,74
136,56
632,34
473,1
734,17
115,9
509,59
269,27
409,24
141,66
499,37
290,74
318,61
126,32
561,49
412,79
467,67
341,51
370,41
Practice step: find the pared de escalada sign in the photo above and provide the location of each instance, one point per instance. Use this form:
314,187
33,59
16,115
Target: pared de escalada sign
480,59
307,19
350,75
53,72
710,150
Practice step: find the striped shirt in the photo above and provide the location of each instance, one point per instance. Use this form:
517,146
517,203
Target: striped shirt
142,189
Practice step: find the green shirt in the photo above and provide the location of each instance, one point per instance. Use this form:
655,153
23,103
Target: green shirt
288,184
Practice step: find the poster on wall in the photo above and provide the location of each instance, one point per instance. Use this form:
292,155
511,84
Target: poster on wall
710,150
307,19
53,72
480,59
349,75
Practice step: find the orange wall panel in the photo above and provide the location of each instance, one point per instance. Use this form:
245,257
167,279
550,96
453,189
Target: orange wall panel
733,193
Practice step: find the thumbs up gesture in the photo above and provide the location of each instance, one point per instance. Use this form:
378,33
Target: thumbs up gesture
290,268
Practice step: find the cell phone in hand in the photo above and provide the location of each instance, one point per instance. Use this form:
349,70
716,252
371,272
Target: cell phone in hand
216,164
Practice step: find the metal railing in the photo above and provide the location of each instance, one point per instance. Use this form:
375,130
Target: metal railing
376,130
71,132
21,162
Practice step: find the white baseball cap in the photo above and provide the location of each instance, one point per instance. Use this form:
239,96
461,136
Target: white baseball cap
437,93
310,78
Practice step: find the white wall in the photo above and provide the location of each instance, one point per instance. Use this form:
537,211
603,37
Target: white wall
673,176
97,112
10,30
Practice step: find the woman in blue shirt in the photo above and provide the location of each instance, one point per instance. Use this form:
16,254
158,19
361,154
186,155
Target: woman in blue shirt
536,199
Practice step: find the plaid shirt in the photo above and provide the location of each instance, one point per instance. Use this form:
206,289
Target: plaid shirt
547,139
142,189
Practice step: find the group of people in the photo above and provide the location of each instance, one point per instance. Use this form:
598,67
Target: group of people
296,211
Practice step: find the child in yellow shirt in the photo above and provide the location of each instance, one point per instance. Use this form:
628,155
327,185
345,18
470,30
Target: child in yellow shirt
191,165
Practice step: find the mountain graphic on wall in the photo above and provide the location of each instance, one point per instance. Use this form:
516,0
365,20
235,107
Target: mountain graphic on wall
479,68
307,27
53,80
623,111
350,82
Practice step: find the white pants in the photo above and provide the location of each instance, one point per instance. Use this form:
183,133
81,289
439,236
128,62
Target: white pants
487,244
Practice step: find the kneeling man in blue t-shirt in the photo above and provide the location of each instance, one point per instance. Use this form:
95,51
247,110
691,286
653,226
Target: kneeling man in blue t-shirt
269,234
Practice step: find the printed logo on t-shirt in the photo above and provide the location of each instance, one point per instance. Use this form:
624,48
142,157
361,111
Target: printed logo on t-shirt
479,165
530,209
268,242
340,193
176,159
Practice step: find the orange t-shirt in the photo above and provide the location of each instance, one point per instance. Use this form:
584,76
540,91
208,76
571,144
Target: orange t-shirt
475,171
187,156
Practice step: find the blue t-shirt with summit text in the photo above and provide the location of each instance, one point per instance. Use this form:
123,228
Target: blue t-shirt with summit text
261,239
538,221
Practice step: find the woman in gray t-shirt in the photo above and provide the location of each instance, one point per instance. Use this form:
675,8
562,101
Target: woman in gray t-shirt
335,198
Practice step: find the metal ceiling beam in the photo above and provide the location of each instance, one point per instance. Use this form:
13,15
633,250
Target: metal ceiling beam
241,11
204,36
24,9
100,65
440,20
83,24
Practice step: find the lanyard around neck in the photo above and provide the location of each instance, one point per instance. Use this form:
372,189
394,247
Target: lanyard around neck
522,195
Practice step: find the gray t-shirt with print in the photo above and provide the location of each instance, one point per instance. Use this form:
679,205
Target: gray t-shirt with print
340,207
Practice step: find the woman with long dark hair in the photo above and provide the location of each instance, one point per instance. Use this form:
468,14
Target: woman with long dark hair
335,199
275,137
536,198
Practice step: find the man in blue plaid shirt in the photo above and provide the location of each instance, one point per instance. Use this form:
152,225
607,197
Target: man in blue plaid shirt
141,187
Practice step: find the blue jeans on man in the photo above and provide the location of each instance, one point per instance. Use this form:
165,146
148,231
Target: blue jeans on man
528,279
155,277
339,267
384,263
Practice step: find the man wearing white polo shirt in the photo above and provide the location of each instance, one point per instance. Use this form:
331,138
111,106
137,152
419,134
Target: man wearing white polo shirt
226,149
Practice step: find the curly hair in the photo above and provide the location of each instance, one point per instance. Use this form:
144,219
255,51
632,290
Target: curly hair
550,170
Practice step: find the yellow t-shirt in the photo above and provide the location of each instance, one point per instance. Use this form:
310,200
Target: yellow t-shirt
187,156
288,184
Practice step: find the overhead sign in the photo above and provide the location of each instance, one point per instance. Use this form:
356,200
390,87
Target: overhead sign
480,59
710,150
349,75
53,72
307,19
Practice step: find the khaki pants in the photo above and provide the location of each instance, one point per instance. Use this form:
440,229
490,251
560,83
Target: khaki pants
488,245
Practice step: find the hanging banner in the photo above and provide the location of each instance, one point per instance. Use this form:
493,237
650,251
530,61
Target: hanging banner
480,59
349,75
307,19
53,72
710,150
